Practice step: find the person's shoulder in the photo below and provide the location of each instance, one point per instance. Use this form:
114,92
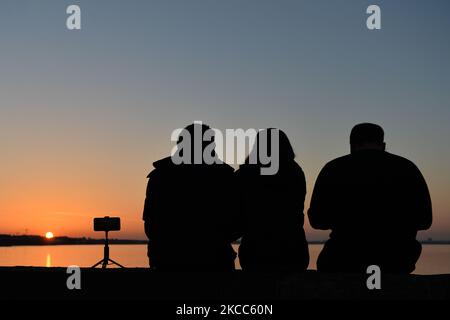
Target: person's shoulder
247,169
163,163
338,162
400,161
336,166
296,168
160,166
223,167
217,168
243,168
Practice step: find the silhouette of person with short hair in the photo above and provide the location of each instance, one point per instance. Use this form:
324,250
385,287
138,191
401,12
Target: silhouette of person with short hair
271,209
188,213
374,202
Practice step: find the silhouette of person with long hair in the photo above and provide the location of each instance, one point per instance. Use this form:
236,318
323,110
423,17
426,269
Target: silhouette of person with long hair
271,210
374,202
187,213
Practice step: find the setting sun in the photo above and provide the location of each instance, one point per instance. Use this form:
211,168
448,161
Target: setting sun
49,235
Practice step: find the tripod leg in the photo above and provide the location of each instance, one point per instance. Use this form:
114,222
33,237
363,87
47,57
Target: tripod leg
118,264
95,265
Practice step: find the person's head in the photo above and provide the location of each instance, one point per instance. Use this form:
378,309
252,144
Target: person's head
193,136
263,147
367,136
196,129
286,151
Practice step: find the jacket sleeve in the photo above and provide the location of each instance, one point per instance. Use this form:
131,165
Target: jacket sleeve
146,213
299,194
320,210
420,201
151,202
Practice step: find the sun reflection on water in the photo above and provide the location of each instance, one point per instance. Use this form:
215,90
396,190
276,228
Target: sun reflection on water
48,261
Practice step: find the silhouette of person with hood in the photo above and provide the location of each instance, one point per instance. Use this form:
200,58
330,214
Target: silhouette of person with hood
188,213
271,210
374,202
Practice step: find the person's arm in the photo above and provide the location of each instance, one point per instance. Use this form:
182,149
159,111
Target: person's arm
150,203
320,211
420,208
299,194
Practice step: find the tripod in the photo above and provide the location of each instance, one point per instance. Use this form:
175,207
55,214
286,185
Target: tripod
105,261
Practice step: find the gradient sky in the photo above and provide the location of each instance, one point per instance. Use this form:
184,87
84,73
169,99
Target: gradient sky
83,114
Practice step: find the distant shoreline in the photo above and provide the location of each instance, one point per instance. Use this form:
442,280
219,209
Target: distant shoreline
32,240
119,242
